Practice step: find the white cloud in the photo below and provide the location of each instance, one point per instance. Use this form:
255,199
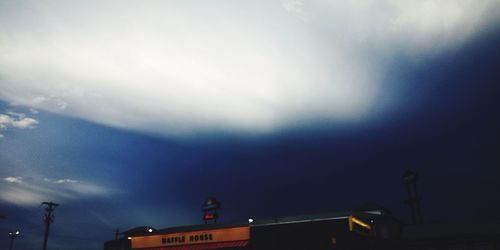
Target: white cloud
32,191
61,181
16,120
25,123
87,189
21,196
13,179
181,68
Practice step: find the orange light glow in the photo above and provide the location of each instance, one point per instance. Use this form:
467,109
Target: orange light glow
361,223
353,220
193,237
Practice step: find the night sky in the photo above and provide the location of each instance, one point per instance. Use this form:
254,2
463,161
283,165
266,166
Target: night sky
133,113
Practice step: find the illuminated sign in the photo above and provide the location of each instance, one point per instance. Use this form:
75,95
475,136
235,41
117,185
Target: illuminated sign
194,237
209,209
359,226
208,216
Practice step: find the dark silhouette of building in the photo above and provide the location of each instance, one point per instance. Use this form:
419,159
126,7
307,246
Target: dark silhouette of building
344,230
369,226
480,235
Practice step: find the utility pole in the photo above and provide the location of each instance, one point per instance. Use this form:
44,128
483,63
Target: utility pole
48,219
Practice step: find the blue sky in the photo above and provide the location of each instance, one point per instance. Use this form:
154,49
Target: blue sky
132,114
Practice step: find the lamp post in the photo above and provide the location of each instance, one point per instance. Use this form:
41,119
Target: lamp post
13,235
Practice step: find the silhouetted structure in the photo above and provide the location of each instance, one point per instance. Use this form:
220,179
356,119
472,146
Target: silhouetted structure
343,230
479,235
369,226
12,236
209,209
117,233
48,219
123,242
410,179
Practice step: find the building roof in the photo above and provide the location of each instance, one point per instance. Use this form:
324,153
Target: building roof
138,231
301,219
141,231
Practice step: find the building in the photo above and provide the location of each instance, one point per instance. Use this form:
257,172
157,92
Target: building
368,227
349,230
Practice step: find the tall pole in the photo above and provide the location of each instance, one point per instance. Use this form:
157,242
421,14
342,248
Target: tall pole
417,203
12,236
11,242
48,219
117,233
410,179
410,203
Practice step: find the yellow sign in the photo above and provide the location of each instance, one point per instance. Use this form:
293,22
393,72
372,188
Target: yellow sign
193,237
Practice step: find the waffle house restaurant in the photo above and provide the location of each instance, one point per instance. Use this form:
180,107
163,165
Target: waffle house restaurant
328,231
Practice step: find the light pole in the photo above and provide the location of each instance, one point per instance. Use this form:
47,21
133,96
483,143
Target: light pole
13,235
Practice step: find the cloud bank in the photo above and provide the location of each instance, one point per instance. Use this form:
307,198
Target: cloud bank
182,68
28,191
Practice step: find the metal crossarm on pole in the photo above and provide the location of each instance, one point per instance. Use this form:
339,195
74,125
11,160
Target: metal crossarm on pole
48,219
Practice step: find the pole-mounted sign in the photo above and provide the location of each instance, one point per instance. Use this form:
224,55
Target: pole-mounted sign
209,209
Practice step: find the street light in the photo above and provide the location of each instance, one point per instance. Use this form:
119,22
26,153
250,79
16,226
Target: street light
13,235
